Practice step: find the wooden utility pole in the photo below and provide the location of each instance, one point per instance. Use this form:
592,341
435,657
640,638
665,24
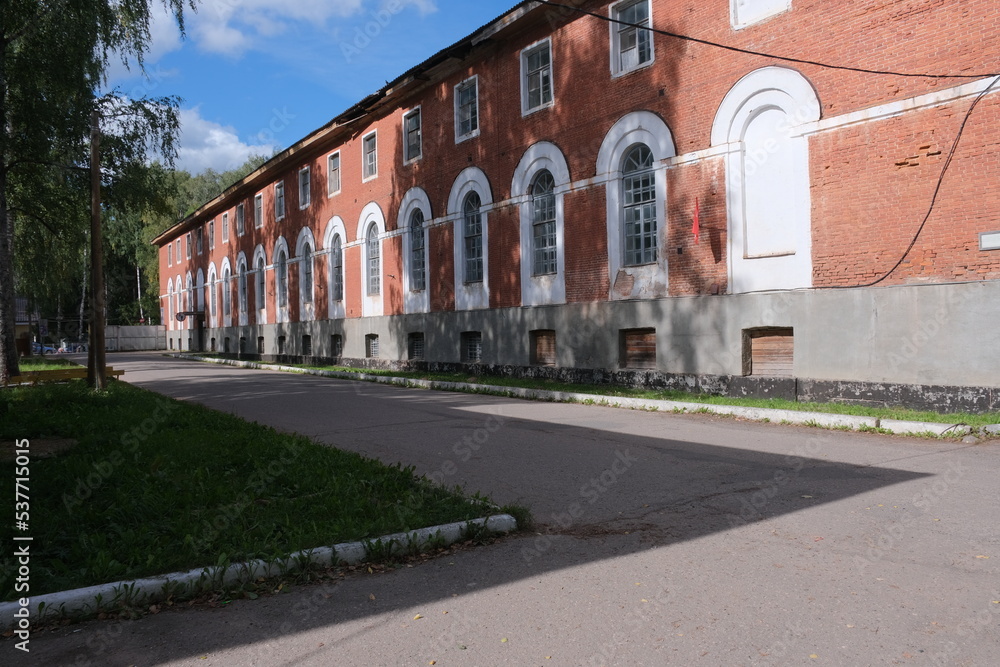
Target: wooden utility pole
97,361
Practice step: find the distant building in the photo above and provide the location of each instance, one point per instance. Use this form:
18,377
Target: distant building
590,197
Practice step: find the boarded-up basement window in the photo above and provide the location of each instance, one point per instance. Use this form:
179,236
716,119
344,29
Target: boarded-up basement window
638,348
768,351
543,347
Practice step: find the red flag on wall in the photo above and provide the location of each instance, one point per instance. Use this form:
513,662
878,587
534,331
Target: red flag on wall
696,227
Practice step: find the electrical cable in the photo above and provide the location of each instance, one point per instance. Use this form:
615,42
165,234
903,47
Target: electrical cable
947,162
727,47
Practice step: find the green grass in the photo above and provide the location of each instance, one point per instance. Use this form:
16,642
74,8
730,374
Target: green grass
974,420
45,363
155,486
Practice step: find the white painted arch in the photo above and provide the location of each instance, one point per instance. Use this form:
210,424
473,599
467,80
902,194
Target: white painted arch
414,301
470,296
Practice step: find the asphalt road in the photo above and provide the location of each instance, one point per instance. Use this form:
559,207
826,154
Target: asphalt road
662,540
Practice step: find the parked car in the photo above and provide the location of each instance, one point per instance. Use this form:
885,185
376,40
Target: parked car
37,348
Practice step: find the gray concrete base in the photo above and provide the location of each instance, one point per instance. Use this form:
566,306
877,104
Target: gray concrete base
823,419
93,599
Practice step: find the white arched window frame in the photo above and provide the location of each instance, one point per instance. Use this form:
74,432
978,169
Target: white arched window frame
542,288
178,298
242,290
188,298
334,239
280,262
470,295
200,290
213,296
371,222
170,304
260,284
415,204
305,252
647,280
768,203
226,287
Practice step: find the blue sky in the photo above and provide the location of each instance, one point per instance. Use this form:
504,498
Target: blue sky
258,75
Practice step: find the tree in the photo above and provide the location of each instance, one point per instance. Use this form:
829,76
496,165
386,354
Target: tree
53,57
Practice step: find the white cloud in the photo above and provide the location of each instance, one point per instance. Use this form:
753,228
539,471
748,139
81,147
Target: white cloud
205,144
231,27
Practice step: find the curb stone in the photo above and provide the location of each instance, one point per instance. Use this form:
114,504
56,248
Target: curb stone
824,419
152,589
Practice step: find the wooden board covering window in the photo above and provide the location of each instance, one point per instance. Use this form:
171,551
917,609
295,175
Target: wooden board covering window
771,352
543,352
639,348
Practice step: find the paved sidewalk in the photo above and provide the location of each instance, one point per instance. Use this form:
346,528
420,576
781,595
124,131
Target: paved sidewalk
663,539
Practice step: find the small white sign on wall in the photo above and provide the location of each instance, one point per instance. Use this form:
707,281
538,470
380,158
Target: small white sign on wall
748,12
989,241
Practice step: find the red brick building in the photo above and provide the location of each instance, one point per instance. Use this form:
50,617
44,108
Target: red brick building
527,198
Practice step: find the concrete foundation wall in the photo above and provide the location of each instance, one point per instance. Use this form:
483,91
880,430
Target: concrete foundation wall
927,335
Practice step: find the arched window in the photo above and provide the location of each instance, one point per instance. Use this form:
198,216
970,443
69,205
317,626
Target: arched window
259,293
306,275
242,286
227,296
374,262
281,278
472,228
337,260
639,206
189,295
213,299
177,297
170,304
543,222
418,267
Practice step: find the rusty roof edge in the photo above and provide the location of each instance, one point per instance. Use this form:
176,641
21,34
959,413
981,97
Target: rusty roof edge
353,114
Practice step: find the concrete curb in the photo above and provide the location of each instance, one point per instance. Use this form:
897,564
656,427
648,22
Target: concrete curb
824,419
147,591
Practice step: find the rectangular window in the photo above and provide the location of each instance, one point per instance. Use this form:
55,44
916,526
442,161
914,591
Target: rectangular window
415,346
638,348
412,141
199,240
304,187
211,234
240,220
281,344
768,351
333,174
336,346
258,211
748,12
472,347
307,345
170,254
543,348
467,109
371,346
279,201
536,77
225,228
178,253
632,42
370,144
187,245
260,345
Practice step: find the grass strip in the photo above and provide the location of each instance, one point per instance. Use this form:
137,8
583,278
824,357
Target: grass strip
904,414
37,363
155,485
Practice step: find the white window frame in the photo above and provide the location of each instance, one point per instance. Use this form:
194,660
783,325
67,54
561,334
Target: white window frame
241,220
187,245
177,252
474,132
279,197
526,109
211,234
199,240
369,165
225,227
330,192
744,13
170,254
258,211
615,11
305,188
407,158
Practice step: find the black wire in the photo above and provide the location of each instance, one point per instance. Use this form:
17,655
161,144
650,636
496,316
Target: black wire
737,49
937,190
